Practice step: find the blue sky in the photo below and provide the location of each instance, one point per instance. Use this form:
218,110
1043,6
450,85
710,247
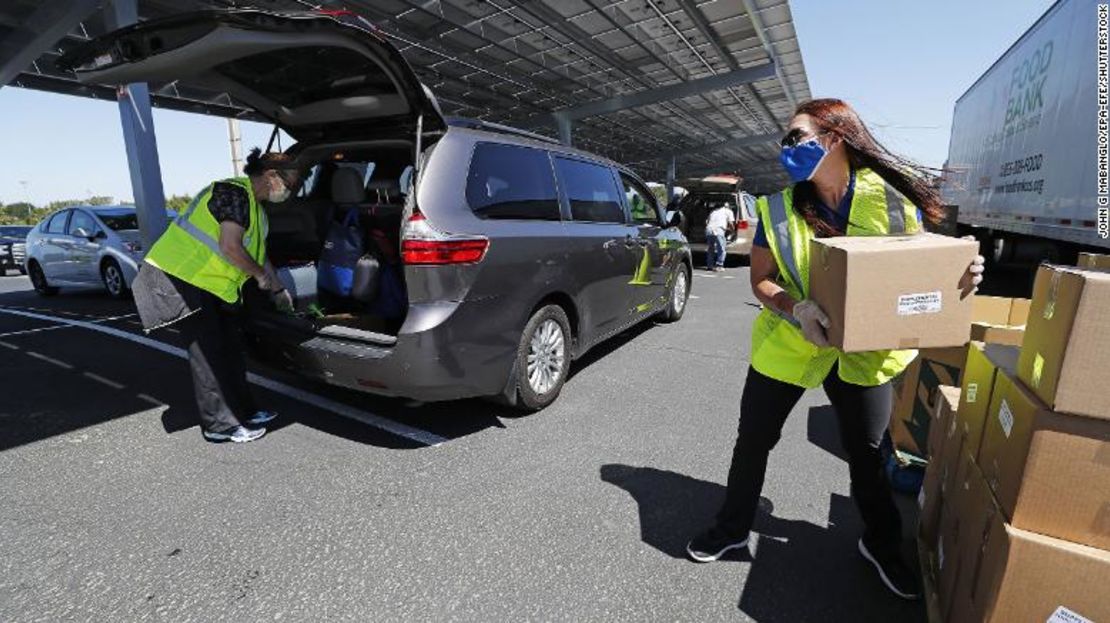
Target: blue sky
901,64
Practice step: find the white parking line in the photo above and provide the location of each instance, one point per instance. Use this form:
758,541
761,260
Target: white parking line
104,381
59,326
396,428
7,345
60,364
151,399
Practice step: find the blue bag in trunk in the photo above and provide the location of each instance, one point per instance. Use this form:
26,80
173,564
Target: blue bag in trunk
342,248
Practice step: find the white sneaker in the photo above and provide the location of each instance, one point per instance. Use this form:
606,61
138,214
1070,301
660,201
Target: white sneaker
261,417
239,434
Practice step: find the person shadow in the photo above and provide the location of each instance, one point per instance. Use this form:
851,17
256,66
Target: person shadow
799,571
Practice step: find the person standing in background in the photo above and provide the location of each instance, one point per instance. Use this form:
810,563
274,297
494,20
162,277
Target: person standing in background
721,220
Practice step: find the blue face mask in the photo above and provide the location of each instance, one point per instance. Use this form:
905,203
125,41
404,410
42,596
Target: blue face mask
801,160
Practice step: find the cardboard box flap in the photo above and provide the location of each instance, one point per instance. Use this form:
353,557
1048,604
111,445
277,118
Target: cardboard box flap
1019,312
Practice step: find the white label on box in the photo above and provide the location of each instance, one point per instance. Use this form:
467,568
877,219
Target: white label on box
1006,418
923,303
972,392
1063,615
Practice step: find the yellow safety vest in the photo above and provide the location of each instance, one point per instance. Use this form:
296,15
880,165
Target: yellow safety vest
190,249
779,349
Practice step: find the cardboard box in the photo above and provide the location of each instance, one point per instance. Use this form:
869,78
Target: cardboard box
983,362
1003,574
1093,260
913,400
889,292
945,402
998,320
1065,356
1049,471
962,525
931,497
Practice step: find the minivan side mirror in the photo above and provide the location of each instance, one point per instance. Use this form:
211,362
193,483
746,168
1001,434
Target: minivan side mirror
81,232
675,219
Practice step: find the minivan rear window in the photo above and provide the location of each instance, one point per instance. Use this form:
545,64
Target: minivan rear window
591,191
511,182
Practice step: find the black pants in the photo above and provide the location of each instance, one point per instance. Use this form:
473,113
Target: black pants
862,413
217,362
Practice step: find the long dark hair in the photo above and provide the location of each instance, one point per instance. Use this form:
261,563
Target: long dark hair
834,116
258,162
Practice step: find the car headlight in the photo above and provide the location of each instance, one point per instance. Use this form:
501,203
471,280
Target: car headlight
5,249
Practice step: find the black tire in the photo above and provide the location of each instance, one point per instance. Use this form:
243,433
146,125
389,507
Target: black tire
677,296
533,395
38,280
111,275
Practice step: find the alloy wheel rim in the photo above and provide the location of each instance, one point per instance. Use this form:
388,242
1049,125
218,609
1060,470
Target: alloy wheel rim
113,279
546,356
680,291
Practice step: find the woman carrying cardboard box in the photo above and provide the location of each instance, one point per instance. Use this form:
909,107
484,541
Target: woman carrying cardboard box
845,183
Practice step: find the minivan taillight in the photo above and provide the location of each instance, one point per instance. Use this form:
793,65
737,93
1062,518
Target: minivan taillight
448,251
741,224
422,244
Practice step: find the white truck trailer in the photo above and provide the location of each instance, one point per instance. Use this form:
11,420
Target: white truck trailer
1023,160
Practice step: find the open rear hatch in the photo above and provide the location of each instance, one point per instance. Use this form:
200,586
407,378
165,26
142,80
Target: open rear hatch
314,74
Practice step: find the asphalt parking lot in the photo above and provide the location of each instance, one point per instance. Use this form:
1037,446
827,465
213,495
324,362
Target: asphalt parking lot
112,507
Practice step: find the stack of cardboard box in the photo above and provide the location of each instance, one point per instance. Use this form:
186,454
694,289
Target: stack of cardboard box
1015,522
994,320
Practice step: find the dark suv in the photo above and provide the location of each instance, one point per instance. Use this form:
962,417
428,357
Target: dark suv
511,254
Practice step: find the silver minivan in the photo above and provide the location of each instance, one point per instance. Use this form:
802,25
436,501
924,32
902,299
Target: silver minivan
86,246
499,256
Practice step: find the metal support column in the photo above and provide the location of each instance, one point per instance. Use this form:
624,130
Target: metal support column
564,124
139,139
236,139
671,166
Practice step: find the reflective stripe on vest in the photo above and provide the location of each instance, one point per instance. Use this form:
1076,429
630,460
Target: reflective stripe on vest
780,225
895,210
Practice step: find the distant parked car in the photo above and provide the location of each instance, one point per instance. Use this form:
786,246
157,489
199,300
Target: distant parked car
86,246
13,248
705,195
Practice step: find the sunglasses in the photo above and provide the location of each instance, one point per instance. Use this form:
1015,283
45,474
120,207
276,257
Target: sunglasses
797,135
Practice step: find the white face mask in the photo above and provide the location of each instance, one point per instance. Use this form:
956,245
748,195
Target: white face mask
277,196
279,190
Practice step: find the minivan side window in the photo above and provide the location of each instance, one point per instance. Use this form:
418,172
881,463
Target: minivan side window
591,191
57,223
511,182
641,203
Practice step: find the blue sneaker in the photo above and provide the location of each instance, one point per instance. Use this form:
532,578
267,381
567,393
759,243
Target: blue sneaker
261,417
239,434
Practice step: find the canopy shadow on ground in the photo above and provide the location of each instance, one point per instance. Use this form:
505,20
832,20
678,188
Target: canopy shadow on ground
800,571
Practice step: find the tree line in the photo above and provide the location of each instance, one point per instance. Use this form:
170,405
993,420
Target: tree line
24,213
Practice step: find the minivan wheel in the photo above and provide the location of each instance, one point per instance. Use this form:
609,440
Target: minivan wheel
543,358
112,276
679,295
38,280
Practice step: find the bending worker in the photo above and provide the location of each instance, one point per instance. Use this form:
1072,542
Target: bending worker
845,183
203,260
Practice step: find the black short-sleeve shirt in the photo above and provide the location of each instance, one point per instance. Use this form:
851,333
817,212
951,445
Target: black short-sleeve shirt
230,202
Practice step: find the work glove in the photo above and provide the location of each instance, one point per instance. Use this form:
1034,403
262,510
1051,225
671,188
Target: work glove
975,271
283,300
812,321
